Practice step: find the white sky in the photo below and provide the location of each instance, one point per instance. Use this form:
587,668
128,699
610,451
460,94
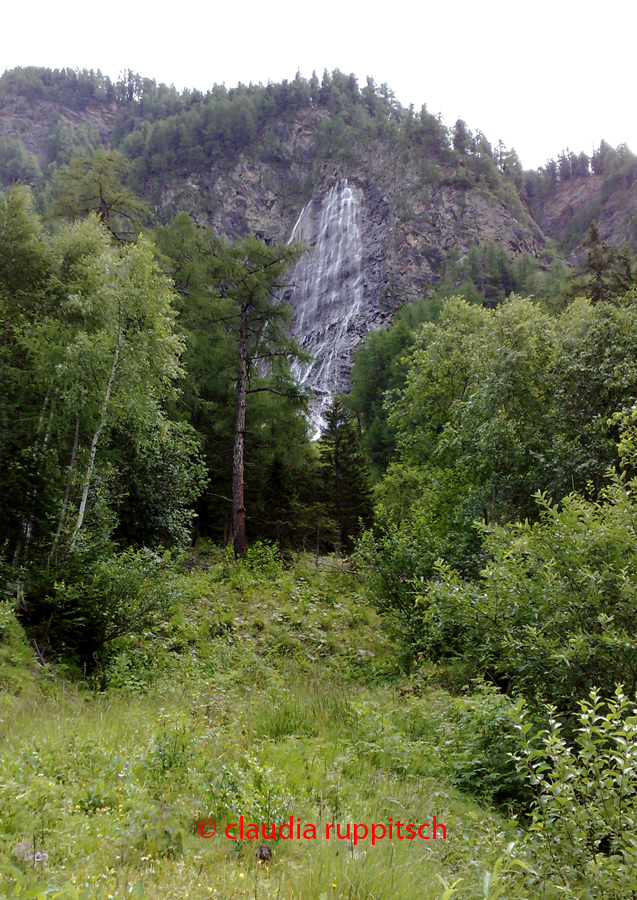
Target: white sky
540,75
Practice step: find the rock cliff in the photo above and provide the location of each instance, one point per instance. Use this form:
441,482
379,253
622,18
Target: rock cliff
379,219
566,215
378,227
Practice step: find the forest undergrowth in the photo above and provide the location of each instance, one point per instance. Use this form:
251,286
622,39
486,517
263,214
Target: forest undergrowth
269,693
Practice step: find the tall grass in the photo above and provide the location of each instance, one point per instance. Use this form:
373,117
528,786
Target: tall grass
109,786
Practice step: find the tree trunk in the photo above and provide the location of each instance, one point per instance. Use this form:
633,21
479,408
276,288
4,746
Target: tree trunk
96,437
238,508
67,494
27,523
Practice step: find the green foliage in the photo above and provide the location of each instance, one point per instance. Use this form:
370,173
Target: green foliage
595,378
107,789
73,88
17,165
606,273
15,653
64,141
264,560
421,516
345,478
90,356
552,610
473,421
482,745
116,595
380,367
215,281
486,274
161,475
248,789
582,836
94,184
495,406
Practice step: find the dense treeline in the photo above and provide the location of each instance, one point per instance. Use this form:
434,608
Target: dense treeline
166,133
613,164
498,432
146,399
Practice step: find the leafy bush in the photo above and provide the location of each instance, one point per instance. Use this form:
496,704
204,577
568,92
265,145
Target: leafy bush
482,748
423,514
582,838
249,789
553,611
122,594
264,560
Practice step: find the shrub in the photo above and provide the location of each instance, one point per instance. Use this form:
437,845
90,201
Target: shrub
123,594
264,560
483,745
582,837
553,611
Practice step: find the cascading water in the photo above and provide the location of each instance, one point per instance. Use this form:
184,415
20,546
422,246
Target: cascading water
327,293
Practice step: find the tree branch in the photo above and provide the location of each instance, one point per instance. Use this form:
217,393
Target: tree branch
260,390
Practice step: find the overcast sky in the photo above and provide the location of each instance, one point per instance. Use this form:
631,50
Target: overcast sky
542,76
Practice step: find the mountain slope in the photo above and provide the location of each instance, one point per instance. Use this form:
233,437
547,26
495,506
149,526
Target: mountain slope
263,159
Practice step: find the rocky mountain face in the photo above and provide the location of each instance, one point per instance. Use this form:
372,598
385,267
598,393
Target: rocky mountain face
35,126
378,220
378,229
579,201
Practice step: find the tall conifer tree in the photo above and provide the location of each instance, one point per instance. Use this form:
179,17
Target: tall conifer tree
345,476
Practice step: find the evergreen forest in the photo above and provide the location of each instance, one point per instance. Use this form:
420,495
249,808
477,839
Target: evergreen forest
205,614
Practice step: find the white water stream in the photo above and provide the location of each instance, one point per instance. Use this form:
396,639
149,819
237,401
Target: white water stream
327,291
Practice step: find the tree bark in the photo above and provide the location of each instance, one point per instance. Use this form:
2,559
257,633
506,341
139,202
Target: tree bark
67,494
238,508
96,437
27,523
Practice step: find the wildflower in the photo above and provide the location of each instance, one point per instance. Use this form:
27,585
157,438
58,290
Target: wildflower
23,850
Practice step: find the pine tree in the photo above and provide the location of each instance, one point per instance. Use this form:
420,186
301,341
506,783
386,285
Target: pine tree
345,476
239,349
95,184
606,273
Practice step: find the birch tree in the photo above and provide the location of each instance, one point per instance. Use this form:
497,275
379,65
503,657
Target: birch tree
108,353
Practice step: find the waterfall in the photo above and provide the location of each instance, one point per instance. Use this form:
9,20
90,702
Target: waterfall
326,290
